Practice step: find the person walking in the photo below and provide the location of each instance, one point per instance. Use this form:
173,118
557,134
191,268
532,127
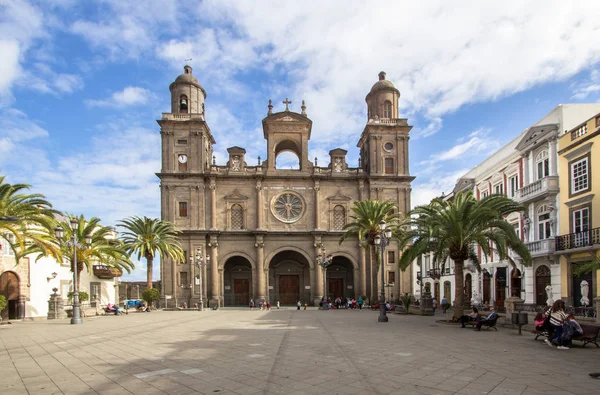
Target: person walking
298,305
434,305
277,305
251,304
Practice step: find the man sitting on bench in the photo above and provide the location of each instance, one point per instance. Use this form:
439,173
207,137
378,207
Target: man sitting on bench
486,321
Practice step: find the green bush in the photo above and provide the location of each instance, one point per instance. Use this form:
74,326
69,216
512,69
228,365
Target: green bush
83,296
3,302
150,295
406,301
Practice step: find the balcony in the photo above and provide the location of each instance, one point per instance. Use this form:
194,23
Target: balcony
579,240
537,190
107,272
167,116
541,247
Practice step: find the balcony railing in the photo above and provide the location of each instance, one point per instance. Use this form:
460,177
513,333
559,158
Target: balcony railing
578,240
177,117
541,247
537,189
104,271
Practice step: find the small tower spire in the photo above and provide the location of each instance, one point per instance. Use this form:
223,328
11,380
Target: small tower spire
303,108
381,75
270,106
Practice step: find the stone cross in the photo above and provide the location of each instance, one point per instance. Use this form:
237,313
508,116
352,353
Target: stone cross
286,102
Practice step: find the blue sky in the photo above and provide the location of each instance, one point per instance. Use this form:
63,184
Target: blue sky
82,83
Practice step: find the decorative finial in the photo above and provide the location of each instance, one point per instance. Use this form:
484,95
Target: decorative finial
259,155
303,108
381,75
359,162
214,160
286,102
316,163
270,107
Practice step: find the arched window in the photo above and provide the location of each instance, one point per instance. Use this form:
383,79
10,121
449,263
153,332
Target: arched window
543,217
339,217
542,164
387,109
237,217
183,104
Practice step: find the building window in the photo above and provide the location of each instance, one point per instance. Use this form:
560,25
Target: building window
339,217
387,109
581,226
185,257
5,244
183,278
597,122
579,176
499,189
427,263
513,186
389,166
544,229
183,209
182,142
542,165
517,227
391,256
484,194
391,277
183,104
237,217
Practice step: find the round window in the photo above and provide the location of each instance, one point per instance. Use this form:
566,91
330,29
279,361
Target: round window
287,206
388,146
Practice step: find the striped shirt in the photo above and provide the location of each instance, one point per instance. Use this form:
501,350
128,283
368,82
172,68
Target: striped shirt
558,318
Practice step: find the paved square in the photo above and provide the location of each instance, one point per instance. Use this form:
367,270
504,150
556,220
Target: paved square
283,352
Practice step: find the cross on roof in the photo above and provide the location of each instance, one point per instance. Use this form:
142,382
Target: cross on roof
286,102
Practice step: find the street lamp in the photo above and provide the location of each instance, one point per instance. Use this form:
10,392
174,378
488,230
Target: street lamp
199,261
324,260
59,232
382,240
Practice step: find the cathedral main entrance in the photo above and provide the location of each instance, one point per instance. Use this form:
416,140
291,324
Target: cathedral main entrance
237,278
289,279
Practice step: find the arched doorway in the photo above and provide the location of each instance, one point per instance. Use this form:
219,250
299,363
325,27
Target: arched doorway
340,278
500,286
448,291
486,287
516,283
542,278
289,278
237,278
9,287
469,287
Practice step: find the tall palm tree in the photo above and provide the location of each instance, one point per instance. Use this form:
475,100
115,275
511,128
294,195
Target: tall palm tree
27,223
365,224
453,229
149,237
104,248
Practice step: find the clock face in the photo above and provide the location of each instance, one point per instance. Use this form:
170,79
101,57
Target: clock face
182,158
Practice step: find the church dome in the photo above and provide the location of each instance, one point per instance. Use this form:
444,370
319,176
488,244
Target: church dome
382,84
187,78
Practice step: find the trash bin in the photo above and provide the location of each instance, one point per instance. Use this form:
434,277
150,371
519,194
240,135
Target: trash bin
523,320
514,318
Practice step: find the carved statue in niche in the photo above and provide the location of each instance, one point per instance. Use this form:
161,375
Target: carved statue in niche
235,163
526,224
549,295
338,165
585,289
476,299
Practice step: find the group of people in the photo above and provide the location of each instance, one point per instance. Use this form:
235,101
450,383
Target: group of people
113,308
343,303
261,305
477,319
559,326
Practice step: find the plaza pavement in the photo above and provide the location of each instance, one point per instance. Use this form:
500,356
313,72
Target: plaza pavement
237,351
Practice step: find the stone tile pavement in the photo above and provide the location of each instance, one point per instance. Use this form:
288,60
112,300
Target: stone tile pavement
283,352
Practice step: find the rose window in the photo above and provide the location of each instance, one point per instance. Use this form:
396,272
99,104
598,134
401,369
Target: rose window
287,207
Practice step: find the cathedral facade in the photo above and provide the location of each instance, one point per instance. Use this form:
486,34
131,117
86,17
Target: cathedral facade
260,228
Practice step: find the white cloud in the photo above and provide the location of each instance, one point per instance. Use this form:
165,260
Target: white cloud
68,83
129,96
479,142
585,88
443,182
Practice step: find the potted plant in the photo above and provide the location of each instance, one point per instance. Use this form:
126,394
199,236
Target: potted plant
3,305
406,301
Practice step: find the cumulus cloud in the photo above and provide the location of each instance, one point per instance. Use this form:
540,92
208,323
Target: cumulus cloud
479,142
129,96
588,87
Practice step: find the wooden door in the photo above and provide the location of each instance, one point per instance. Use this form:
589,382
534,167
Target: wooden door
289,289
486,288
436,292
468,288
241,292
335,288
542,278
9,287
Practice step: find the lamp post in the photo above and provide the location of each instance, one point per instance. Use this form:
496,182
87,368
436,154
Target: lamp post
382,240
324,260
199,261
59,232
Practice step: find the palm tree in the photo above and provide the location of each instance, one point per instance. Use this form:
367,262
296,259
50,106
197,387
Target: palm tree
365,224
104,248
453,229
27,221
151,236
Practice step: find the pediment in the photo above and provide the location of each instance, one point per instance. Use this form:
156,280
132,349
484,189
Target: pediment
339,197
535,134
236,195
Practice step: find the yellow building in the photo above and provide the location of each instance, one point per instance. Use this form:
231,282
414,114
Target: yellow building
579,218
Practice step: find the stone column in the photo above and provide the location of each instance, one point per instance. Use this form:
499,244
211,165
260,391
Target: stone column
531,166
363,270
552,156
259,205
317,209
213,204
214,272
318,270
56,308
260,272
525,170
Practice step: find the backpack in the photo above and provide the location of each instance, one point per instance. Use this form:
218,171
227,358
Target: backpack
546,325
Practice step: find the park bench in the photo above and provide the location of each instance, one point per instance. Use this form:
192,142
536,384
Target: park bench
487,324
590,334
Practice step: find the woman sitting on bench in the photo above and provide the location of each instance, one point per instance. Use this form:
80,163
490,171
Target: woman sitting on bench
473,316
492,317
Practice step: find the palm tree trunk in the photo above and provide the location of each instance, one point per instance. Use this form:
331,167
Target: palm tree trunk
458,289
149,260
